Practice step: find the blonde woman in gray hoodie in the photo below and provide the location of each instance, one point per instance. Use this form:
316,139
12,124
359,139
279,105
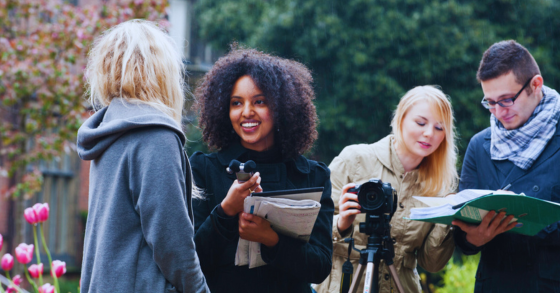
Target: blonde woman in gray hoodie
139,231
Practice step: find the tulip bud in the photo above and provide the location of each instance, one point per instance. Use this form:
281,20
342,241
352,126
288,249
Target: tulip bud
24,253
30,216
47,288
36,270
7,262
42,211
17,280
58,268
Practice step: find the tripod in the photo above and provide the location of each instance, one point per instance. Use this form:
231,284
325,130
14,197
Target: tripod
380,246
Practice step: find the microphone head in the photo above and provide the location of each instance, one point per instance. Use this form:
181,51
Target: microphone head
234,166
249,166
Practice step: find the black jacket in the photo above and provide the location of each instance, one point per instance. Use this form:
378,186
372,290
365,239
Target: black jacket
291,265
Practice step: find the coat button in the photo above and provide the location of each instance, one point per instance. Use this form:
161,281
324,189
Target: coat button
536,188
401,205
402,176
386,276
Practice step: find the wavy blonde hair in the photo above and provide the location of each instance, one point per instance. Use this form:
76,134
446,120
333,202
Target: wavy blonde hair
136,60
437,173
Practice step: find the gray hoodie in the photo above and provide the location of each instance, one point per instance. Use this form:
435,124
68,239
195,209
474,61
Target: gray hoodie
139,231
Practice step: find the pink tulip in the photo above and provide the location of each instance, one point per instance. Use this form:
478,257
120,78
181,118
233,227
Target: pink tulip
47,288
17,280
42,211
24,253
7,262
11,290
36,270
58,268
1,241
30,216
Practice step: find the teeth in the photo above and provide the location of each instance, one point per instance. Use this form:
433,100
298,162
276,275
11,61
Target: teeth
252,124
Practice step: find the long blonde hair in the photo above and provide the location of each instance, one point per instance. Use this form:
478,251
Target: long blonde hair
437,173
136,60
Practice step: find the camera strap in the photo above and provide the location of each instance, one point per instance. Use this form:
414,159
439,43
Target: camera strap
347,271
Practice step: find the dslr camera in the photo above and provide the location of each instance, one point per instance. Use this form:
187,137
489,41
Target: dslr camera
376,197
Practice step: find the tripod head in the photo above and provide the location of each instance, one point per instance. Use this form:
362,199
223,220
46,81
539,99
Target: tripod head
380,245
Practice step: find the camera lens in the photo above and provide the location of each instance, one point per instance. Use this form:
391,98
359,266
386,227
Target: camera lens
371,198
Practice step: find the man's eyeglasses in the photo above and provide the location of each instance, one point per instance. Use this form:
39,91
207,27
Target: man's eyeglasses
505,102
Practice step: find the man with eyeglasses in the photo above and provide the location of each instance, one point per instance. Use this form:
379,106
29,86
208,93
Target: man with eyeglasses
520,152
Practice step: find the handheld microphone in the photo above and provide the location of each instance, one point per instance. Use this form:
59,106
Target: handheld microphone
243,171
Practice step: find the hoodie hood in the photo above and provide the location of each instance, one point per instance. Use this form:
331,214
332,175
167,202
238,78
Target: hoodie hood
108,124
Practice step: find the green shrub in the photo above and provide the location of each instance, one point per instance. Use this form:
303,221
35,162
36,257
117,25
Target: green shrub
459,276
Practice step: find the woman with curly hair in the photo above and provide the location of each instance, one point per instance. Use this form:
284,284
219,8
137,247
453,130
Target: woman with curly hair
254,106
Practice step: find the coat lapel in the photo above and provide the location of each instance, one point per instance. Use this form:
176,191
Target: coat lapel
501,166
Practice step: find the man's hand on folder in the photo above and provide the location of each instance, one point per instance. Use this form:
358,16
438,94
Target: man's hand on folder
490,226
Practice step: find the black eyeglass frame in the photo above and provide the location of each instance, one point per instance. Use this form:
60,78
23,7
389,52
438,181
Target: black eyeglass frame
487,104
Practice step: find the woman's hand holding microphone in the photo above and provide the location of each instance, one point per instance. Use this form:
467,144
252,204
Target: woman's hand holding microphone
251,227
233,202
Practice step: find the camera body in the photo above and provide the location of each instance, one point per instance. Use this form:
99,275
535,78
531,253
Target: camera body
376,197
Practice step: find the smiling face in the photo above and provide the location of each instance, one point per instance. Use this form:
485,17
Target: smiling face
505,86
422,130
250,115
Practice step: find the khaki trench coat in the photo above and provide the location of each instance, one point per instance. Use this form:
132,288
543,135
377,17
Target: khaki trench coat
429,245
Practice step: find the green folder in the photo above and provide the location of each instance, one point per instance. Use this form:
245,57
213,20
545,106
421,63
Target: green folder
534,214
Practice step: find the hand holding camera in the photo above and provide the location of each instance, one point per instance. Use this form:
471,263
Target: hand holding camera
233,202
348,208
372,197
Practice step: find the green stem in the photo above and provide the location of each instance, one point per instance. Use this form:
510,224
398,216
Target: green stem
49,257
37,252
12,282
30,280
2,289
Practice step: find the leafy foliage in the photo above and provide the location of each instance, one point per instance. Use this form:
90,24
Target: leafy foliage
366,54
459,277
43,51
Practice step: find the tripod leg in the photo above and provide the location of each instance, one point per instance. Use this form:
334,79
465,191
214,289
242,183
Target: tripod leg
395,276
357,279
368,284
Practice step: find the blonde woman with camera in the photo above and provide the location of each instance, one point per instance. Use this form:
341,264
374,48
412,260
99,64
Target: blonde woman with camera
417,159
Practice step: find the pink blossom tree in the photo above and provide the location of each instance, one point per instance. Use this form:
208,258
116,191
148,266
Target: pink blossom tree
43,50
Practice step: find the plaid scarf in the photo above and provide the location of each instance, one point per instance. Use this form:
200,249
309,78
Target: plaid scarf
523,145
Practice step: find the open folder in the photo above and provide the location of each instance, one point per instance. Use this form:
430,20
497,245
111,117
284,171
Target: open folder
471,205
290,212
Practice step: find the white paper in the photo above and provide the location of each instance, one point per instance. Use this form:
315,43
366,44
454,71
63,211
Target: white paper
293,218
454,199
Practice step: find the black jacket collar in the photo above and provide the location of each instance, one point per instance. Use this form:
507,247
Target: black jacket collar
235,151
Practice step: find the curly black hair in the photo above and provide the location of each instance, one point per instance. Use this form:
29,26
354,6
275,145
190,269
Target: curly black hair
286,84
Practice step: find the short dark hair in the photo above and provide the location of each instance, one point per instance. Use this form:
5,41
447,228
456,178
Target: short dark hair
506,56
286,84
